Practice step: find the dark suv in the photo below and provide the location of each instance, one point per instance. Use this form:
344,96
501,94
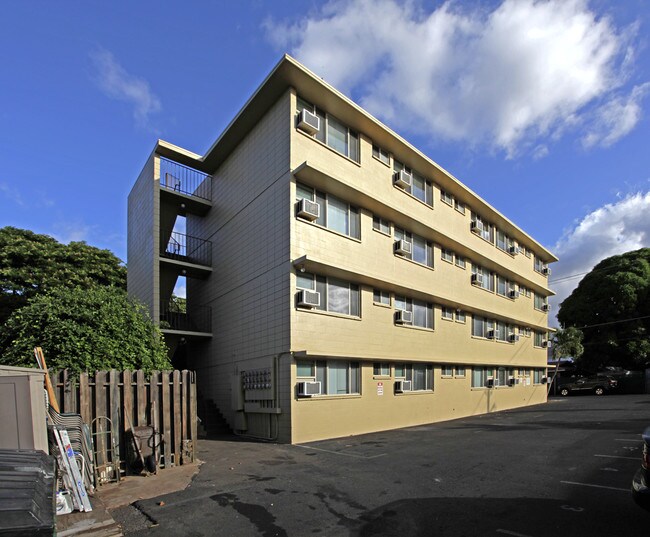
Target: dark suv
597,384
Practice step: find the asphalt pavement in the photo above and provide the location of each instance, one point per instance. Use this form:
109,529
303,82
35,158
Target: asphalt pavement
563,468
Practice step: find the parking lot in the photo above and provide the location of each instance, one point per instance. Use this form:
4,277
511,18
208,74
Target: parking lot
563,468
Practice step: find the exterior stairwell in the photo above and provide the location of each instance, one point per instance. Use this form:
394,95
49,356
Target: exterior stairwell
212,421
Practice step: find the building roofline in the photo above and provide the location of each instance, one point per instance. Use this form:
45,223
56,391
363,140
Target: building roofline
289,73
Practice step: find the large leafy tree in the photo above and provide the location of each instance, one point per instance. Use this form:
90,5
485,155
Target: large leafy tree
611,305
31,264
84,329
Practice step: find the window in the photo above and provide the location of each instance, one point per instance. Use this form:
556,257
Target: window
524,291
334,133
421,249
381,297
504,242
422,311
335,214
459,371
481,327
337,377
537,376
446,197
447,255
500,331
460,261
381,225
420,187
460,316
380,154
459,206
527,332
480,376
482,228
502,377
380,369
447,371
486,278
447,313
538,265
526,251
420,375
540,301
337,296
503,286
540,337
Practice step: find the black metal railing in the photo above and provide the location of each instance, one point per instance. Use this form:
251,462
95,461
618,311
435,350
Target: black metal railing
180,178
175,245
177,316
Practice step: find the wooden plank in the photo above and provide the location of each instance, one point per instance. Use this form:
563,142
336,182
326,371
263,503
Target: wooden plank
100,424
177,416
84,398
193,420
114,399
40,359
184,407
127,403
166,410
154,395
141,397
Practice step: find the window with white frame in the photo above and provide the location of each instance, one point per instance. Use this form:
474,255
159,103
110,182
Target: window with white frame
337,377
336,296
420,187
484,278
501,378
527,332
460,261
539,339
481,326
503,241
422,312
503,286
482,228
420,375
480,376
335,214
447,370
537,375
381,369
446,197
447,255
539,301
333,133
421,249
459,371
381,297
381,225
381,154
460,316
538,264
447,313
459,206
500,331
524,291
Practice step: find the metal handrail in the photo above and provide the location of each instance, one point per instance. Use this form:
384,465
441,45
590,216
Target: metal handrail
175,245
185,180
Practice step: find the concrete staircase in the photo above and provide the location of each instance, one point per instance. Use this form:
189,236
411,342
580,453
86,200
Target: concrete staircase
212,421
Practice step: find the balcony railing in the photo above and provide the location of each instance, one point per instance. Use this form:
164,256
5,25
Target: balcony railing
176,317
186,248
179,178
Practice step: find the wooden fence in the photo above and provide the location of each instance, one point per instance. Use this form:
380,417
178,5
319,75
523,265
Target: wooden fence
165,400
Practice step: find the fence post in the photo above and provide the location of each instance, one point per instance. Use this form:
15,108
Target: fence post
166,418
177,417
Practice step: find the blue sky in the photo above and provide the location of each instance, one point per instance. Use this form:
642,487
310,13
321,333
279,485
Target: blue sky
542,108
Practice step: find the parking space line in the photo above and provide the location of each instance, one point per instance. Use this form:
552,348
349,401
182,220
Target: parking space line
627,439
617,457
344,454
594,486
513,533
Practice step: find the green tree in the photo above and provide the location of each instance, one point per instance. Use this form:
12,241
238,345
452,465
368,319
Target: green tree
611,305
84,329
31,264
568,342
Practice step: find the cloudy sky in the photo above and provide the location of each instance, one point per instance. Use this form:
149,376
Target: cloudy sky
541,107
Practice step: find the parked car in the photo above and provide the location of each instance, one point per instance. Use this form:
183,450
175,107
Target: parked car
597,384
641,480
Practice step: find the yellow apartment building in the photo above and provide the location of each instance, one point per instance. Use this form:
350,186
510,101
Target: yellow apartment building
338,280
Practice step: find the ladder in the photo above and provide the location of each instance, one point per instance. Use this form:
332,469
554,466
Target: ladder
71,476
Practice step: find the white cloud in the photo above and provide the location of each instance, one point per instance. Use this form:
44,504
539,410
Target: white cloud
505,78
610,230
12,194
72,231
116,83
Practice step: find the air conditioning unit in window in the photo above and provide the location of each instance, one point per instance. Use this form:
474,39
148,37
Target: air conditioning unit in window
546,344
308,389
477,227
308,210
546,307
514,250
402,386
489,383
308,299
403,317
308,122
546,380
402,179
489,334
403,247
511,381
546,271
513,337
513,293
477,279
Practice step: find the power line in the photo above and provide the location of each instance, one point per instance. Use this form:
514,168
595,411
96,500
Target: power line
614,322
